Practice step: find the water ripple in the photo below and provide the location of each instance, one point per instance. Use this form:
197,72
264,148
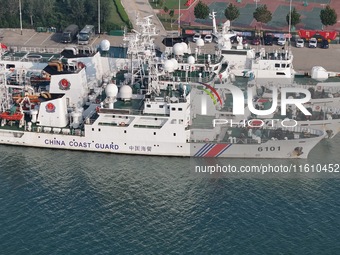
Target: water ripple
60,202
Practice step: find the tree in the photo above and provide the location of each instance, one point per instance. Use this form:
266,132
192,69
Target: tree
231,12
30,8
262,14
201,10
160,2
328,16
165,9
171,14
295,18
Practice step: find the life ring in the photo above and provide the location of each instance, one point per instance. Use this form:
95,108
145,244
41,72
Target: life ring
317,108
122,124
318,88
125,67
80,65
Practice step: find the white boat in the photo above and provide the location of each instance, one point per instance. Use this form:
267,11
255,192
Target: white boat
324,106
247,62
137,105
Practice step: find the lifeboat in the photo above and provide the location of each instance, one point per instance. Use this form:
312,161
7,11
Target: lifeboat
9,116
255,123
32,99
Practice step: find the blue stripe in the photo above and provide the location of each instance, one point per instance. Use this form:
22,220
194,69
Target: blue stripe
207,147
203,150
223,150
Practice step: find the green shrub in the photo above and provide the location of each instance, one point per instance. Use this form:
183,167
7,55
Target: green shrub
122,13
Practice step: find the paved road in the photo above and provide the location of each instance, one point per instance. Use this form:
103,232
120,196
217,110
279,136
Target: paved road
143,9
304,58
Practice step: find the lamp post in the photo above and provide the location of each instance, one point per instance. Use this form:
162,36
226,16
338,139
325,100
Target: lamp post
20,15
99,17
179,17
290,21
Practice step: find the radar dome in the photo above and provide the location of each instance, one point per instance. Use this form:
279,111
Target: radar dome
174,61
125,92
147,53
111,90
168,66
185,47
191,60
105,45
178,49
200,42
319,73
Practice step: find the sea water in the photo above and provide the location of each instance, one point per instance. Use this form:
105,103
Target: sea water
68,202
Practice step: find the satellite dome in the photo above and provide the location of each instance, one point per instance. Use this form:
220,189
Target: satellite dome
111,90
191,60
200,42
147,53
169,66
178,49
105,45
185,47
319,73
125,92
174,61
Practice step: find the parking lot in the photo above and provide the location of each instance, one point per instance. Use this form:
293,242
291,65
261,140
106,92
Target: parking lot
304,58
31,38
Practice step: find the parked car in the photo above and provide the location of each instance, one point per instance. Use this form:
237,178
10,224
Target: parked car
268,40
281,41
196,36
300,43
208,38
245,40
324,44
256,41
312,43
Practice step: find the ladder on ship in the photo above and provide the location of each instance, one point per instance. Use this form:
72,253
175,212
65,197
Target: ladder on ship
5,99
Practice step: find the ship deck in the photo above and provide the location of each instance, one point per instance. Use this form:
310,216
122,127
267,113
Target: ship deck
30,56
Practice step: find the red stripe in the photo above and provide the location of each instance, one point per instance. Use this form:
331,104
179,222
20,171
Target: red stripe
215,150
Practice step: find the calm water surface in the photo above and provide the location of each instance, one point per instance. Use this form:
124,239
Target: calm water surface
62,202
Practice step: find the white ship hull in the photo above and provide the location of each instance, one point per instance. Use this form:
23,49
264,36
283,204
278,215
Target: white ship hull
269,149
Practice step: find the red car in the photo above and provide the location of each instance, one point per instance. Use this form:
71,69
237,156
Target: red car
256,41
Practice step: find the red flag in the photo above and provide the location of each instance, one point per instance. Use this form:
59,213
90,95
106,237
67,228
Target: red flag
3,46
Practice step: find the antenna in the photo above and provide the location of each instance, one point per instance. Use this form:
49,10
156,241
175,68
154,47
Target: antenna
212,16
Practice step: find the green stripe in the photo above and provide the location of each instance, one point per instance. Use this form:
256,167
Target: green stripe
210,94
